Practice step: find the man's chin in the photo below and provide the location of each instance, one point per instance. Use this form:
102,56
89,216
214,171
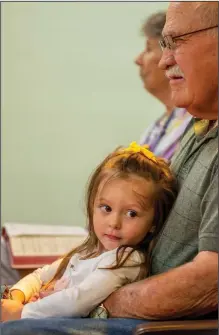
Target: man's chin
180,99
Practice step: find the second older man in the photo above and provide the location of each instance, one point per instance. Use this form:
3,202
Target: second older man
162,136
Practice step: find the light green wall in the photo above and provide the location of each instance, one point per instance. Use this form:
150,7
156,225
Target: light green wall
70,94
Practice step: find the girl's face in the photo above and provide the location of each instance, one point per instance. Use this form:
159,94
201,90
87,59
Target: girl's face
123,211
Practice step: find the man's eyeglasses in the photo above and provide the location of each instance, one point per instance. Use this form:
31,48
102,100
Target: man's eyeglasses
168,42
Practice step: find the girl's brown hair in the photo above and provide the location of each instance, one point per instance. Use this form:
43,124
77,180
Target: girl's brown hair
124,164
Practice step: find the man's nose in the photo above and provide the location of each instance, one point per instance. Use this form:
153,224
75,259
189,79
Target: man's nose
115,221
166,60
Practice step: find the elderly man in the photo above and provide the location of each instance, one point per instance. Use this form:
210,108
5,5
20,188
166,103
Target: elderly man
185,259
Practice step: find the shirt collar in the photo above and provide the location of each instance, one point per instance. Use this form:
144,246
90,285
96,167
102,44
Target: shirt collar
201,127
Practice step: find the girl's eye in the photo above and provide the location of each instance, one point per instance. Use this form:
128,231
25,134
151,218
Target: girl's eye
132,214
105,208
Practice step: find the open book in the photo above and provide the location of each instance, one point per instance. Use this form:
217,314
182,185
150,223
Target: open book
35,245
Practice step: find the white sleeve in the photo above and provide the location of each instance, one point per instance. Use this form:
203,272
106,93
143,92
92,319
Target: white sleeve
79,301
33,282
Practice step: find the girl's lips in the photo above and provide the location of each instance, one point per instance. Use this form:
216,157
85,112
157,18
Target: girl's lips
113,237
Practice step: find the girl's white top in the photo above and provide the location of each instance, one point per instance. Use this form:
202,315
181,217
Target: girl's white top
83,286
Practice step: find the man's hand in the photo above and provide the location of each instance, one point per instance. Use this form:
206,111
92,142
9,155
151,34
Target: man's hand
10,310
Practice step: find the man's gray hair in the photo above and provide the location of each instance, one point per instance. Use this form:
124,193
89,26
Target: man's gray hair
154,24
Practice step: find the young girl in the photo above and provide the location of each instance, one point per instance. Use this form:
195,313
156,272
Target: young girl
129,197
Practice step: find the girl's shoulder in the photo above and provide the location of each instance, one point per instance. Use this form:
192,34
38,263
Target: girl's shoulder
131,258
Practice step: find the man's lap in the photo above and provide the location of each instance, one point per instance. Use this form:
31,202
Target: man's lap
70,326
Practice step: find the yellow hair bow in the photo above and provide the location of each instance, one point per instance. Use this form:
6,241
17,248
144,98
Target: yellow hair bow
134,147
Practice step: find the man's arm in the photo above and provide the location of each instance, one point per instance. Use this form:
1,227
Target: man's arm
189,290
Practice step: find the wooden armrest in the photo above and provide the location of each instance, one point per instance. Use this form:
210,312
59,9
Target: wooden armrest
194,327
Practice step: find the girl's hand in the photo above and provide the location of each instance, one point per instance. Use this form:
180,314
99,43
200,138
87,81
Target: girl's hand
11,310
40,295
34,297
43,294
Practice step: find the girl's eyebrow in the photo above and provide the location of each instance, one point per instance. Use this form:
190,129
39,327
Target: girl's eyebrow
136,205
103,199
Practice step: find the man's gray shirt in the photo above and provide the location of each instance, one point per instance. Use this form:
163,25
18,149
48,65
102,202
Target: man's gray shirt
192,225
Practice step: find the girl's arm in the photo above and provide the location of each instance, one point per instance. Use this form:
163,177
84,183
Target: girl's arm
32,283
79,301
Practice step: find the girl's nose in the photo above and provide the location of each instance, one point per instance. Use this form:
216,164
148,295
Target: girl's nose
115,222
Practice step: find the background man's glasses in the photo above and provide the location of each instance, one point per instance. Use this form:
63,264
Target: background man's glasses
167,42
